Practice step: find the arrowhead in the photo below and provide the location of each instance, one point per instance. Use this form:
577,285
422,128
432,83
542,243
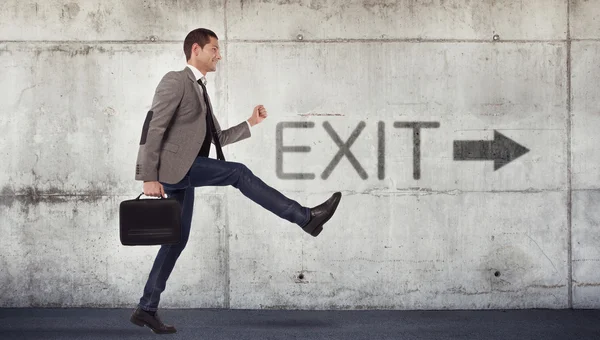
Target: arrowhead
505,150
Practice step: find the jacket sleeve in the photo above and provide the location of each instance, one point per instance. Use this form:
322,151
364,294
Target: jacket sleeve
233,134
167,98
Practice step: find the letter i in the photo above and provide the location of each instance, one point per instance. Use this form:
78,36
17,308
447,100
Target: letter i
381,150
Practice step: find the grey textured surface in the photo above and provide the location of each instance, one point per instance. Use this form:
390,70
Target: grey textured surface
262,324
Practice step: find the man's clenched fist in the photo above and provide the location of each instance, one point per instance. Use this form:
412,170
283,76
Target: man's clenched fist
154,189
258,115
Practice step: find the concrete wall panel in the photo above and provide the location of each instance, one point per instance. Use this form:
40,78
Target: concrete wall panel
412,251
519,90
584,19
406,19
75,130
107,20
585,77
63,252
586,252
586,173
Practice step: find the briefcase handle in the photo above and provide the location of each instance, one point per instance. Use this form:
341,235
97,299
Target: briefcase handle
138,198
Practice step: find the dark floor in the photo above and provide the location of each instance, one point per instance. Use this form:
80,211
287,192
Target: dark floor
276,324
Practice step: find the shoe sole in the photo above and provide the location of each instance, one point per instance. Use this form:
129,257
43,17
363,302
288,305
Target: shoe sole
319,229
141,323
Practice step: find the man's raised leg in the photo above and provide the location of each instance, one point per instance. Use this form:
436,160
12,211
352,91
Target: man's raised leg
212,172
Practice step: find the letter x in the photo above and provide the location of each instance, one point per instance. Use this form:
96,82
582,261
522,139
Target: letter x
344,150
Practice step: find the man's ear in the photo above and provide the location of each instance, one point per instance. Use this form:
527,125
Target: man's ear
196,47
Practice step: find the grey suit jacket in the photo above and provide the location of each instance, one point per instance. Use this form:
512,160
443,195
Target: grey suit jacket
175,127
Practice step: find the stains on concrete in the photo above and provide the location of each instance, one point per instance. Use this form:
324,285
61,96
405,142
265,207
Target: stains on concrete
29,196
321,114
312,4
4,50
587,260
69,12
71,50
109,111
384,8
509,268
99,18
32,196
460,290
387,8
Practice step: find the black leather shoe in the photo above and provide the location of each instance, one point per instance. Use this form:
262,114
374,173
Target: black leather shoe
320,214
142,318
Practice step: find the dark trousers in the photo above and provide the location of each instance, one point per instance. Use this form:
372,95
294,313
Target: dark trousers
211,172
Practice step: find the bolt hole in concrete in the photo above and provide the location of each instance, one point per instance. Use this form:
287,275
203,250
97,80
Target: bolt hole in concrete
496,37
497,274
301,276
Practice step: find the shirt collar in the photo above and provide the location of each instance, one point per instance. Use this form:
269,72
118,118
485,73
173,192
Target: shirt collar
197,73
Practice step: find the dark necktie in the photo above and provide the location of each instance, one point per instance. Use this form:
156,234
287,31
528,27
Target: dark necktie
211,123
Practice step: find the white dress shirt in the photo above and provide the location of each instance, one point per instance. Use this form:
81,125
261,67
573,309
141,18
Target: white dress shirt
199,76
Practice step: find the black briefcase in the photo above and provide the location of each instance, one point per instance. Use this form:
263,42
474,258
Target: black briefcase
152,221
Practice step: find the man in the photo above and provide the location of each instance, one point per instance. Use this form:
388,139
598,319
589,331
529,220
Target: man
173,160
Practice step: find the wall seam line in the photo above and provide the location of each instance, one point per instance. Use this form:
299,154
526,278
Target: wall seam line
227,289
569,162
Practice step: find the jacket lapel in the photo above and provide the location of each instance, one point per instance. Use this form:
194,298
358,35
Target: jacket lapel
195,86
201,97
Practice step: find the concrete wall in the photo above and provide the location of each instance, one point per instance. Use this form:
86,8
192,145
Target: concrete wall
78,77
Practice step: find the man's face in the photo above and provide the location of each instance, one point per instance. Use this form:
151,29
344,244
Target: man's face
207,57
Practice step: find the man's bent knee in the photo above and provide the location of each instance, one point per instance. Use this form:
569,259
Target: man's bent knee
240,171
241,168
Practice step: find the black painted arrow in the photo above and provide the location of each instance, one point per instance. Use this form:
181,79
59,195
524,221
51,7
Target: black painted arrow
502,150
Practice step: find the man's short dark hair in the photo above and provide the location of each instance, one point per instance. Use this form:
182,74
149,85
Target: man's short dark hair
200,36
